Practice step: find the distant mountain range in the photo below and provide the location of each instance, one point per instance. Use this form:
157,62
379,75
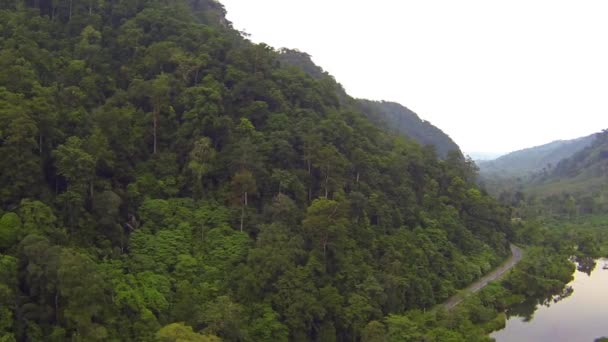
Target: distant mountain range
560,178
584,172
534,159
390,115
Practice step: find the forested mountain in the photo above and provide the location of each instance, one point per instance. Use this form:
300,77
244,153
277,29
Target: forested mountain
534,159
302,60
388,115
578,184
590,162
403,121
574,185
164,179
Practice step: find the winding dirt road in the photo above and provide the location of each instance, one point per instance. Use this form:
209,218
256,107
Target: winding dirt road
515,257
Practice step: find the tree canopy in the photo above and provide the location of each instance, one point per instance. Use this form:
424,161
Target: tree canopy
163,178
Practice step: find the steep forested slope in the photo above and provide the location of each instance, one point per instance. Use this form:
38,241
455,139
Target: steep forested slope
403,121
302,60
578,184
165,179
591,161
387,115
533,159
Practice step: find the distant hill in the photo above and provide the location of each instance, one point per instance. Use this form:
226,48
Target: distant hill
584,172
574,185
484,156
535,159
388,115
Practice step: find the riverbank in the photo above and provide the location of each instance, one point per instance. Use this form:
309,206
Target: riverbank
576,314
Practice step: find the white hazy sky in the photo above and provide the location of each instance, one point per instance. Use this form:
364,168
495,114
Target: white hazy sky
497,76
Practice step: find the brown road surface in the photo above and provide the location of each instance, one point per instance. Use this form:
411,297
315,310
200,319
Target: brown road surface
515,257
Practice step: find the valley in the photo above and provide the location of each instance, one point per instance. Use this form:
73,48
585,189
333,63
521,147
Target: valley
164,178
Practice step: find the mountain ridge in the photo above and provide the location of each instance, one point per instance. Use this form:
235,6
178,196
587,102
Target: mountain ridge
576,184
533,159
389,115
584,172
398,118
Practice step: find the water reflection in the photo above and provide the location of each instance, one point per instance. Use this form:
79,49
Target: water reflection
576,313
526,309
585,264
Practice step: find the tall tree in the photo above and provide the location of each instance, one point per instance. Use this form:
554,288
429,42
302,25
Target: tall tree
331,164
201,159
324,222
243,185
21,165
78,168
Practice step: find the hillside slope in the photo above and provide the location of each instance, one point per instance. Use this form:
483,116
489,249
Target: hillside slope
533,159
402,120
387,115
575,185
164,179
585,173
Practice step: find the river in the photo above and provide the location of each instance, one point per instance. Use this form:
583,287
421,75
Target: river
578,316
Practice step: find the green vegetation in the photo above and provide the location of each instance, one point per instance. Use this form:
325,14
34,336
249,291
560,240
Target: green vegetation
563,208
560,213
588,234
532,160
391,116
576,186
583,175
540,277
165,179
404,121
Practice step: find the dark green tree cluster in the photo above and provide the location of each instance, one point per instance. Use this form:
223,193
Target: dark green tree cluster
162,178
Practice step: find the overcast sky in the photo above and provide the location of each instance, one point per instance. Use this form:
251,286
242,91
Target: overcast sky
497,76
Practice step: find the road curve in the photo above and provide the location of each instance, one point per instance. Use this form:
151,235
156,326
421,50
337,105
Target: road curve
515,257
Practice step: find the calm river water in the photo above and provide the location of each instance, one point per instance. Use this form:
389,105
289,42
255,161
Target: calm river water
581,316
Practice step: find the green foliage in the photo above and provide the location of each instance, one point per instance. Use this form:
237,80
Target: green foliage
571,186
8,290
10,229
401,328
160,168
538,159
402,120
178,332
374,331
